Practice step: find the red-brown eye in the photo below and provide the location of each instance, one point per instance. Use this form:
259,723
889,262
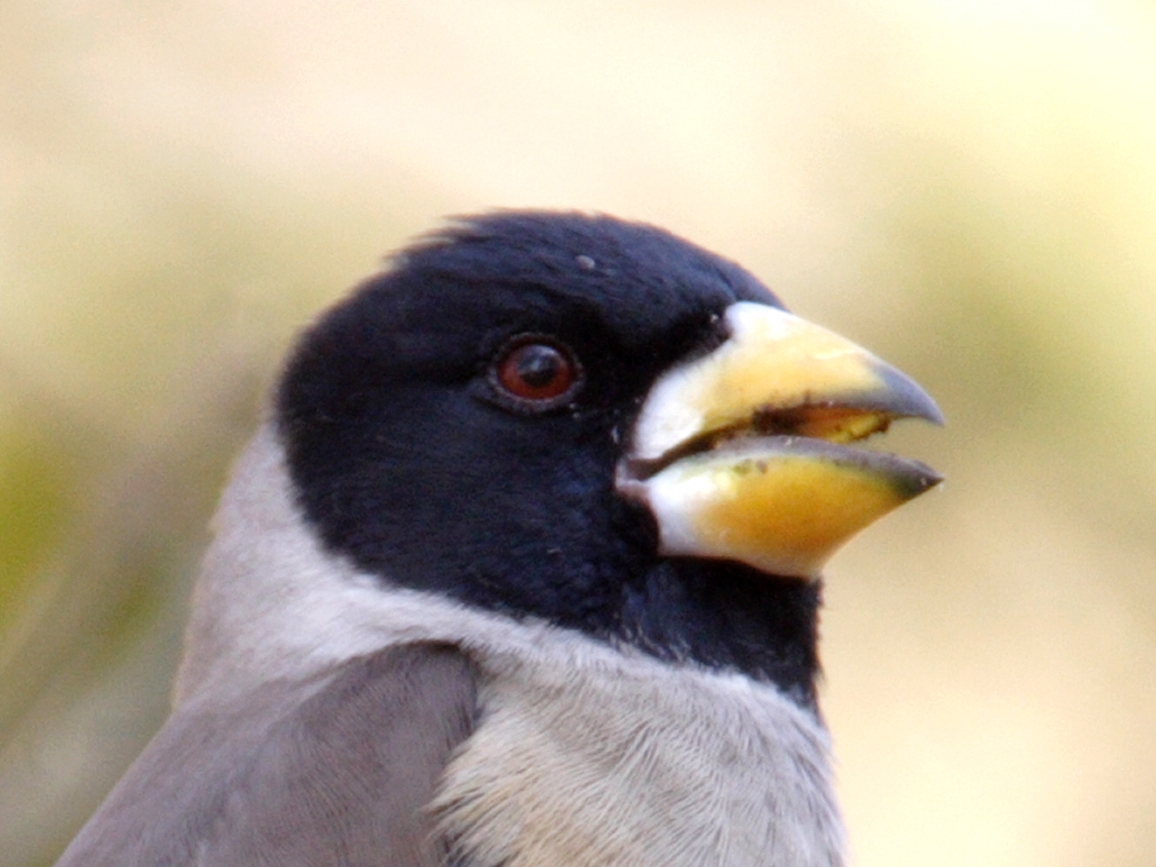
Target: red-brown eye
537,372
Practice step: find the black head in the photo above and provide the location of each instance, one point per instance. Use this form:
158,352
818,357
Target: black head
455,424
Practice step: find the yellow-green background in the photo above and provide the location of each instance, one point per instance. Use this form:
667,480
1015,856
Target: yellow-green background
968,188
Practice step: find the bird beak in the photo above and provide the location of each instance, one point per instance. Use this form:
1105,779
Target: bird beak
743,454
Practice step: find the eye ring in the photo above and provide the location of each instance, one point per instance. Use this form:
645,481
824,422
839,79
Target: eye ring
535,373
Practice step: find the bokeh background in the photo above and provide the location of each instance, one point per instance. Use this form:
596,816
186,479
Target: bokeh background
968,188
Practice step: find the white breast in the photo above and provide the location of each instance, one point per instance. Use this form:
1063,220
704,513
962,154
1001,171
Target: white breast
633,762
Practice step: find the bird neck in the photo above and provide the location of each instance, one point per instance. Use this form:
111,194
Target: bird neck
722,616
728,616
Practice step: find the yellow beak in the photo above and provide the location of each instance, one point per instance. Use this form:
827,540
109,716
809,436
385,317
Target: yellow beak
741,454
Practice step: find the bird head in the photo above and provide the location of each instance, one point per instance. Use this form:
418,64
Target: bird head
596,424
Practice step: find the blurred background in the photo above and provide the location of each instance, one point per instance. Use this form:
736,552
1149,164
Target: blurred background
969,189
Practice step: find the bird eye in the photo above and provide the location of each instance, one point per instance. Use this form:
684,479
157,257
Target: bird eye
537,372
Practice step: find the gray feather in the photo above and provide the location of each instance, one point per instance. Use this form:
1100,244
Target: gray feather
338,770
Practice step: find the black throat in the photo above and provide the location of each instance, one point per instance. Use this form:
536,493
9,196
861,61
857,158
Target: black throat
727,616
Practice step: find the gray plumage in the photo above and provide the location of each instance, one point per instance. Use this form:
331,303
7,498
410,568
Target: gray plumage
337,770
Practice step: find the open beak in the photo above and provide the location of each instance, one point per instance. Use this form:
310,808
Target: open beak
743,454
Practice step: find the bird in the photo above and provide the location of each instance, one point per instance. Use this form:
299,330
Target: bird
523,567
